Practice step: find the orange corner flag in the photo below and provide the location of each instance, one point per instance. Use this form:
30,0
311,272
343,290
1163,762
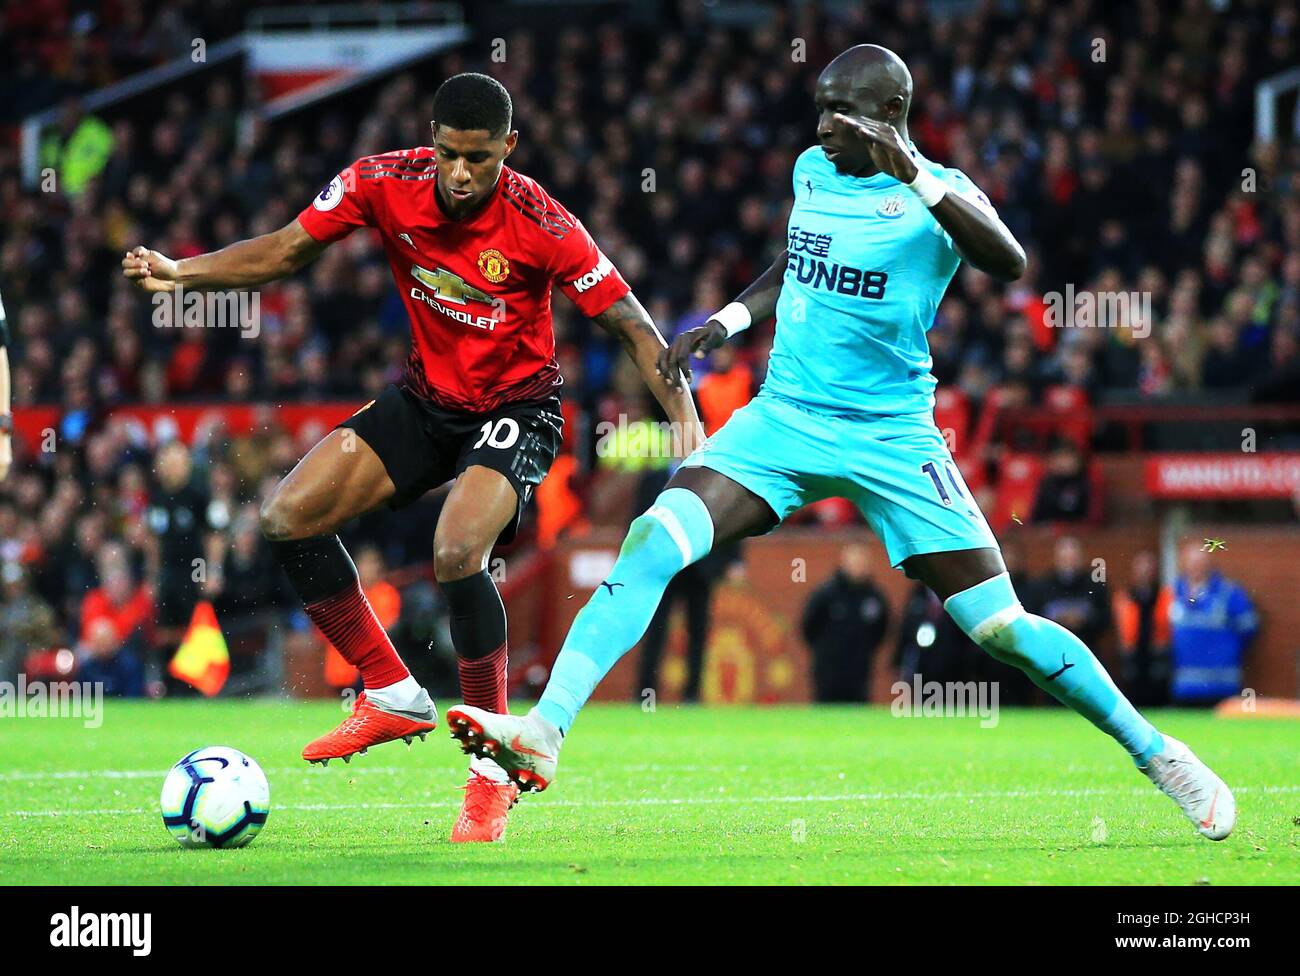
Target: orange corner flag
202,660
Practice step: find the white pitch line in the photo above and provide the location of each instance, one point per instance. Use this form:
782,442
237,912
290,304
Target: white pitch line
307,770
90,774
686,801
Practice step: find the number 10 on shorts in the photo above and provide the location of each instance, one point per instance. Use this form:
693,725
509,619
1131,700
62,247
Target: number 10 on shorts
498,433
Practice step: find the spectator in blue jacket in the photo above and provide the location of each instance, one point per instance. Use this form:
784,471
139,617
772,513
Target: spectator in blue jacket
1213,623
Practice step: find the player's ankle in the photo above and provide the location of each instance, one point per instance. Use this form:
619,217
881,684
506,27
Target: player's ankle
397,694
549,728
488,770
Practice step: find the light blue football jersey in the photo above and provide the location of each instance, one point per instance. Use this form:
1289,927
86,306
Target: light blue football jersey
868,265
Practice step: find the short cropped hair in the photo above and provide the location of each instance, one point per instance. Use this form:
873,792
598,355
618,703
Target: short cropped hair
473,101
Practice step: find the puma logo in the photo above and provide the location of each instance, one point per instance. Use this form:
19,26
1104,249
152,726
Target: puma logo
610,586
1064,668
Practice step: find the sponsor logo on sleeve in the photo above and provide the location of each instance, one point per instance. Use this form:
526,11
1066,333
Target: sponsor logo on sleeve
595,276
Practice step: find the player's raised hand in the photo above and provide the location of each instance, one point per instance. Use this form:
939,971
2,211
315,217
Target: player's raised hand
675,359
888,150
150,270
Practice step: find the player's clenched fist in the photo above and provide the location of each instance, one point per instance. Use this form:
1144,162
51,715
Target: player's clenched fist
150,270
698,342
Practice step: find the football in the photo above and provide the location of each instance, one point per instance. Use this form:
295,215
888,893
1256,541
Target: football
215,797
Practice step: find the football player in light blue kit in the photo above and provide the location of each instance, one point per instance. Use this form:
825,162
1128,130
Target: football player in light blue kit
876,233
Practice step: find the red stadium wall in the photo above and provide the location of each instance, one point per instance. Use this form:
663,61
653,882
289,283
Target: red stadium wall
755,653
30,423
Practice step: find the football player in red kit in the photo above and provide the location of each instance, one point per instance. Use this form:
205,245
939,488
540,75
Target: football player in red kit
475,249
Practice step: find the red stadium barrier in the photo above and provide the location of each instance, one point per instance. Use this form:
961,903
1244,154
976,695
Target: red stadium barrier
1223,476
238,418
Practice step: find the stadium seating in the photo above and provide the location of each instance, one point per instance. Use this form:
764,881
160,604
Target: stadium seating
1114,174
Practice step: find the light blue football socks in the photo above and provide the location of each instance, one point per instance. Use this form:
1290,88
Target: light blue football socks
677,531
1055,660
673,533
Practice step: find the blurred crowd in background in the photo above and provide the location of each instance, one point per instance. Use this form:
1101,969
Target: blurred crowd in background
1114,139
1185,641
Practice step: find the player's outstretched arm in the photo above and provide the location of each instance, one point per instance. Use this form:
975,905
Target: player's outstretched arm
627,320
241,265
755,303
980,237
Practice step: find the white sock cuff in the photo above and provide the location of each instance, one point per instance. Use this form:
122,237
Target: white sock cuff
488,769
685,518
986,607
399,694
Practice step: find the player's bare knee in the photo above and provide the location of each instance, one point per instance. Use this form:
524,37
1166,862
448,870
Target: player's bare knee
274,520
281,515
457,558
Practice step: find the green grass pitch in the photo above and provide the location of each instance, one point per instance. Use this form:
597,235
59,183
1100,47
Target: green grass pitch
682,795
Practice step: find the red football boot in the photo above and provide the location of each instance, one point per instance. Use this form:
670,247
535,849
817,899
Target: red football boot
483,814
369,725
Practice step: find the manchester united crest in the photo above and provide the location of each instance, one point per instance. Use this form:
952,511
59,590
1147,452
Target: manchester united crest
492,264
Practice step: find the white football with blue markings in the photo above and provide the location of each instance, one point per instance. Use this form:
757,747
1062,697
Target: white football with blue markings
215,797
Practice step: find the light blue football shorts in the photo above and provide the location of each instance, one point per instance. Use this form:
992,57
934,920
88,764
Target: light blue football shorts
895,468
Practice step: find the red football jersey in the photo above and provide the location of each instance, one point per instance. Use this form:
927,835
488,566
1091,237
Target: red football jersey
477,290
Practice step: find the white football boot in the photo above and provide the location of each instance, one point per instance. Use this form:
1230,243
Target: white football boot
1200,794
527,747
